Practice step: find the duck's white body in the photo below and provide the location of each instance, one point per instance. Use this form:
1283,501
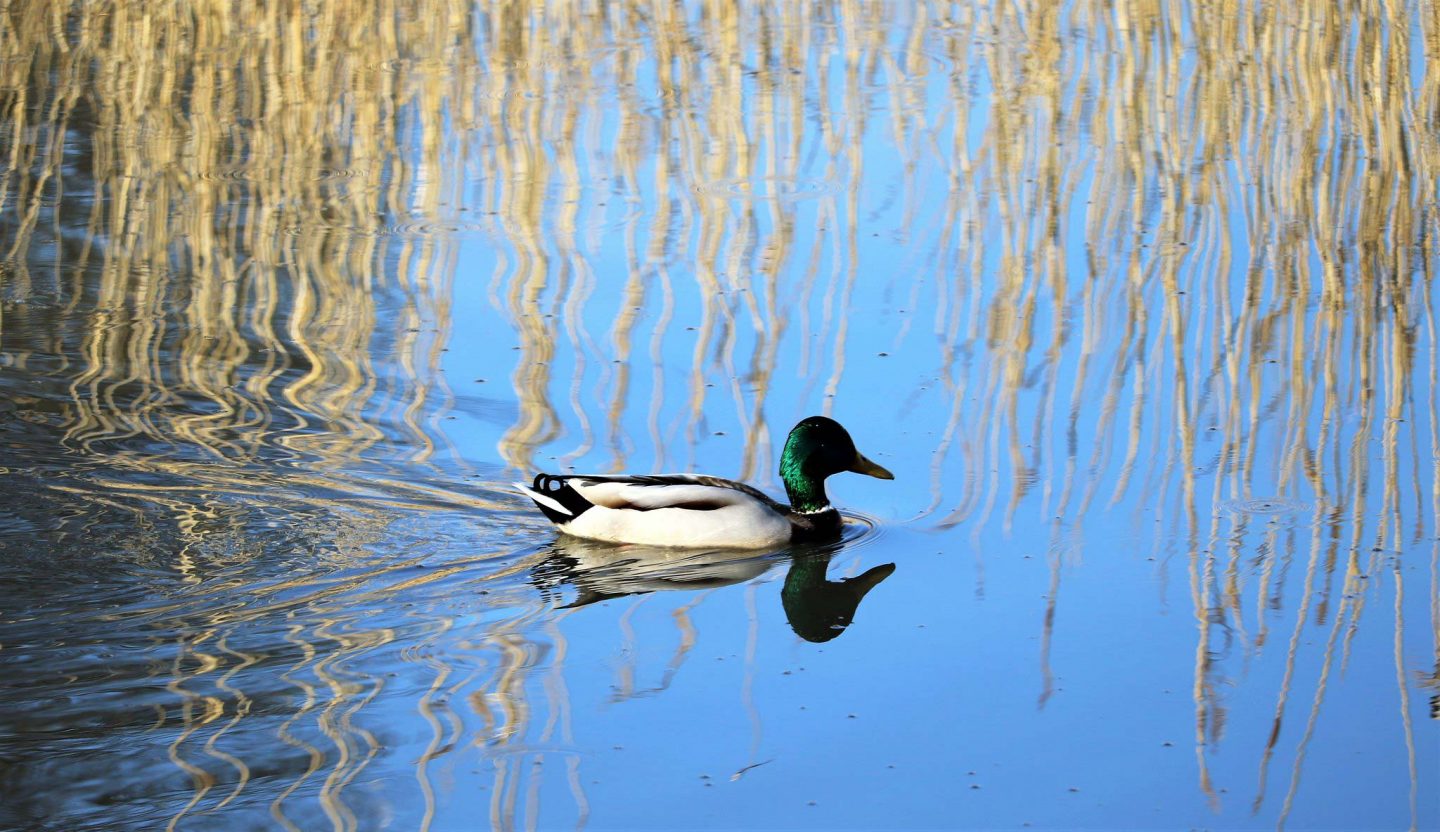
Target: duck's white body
683,510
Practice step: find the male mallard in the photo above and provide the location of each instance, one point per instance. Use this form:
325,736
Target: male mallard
691,510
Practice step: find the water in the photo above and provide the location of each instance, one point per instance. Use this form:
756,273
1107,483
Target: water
1135,300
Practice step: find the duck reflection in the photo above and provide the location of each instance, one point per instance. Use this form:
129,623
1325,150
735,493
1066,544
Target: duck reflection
817,608
820,609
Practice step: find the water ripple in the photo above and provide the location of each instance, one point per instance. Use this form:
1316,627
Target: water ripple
1266,505
780,188
411,229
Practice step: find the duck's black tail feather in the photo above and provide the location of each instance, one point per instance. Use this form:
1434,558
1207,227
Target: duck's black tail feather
556,498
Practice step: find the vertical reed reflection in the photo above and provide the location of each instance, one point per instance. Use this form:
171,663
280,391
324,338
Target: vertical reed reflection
220,262
228,238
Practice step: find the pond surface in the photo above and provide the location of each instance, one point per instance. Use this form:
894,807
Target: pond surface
1135,299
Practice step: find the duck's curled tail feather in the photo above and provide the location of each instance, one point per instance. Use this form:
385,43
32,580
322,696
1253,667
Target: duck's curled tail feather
556,498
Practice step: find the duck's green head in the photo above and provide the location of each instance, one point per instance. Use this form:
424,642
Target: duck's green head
817,448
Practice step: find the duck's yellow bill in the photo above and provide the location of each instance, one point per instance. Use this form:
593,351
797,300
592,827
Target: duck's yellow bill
865,466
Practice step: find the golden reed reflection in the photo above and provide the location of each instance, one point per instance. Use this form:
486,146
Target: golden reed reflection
224,259
226,266
1167,237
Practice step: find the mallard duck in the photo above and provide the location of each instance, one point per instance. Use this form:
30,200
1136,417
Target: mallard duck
692,510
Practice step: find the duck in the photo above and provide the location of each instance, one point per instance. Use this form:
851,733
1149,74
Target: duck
699,511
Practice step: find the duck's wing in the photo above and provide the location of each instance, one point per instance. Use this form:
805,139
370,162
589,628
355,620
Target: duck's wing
647,493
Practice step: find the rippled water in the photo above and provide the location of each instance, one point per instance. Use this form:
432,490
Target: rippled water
1135,299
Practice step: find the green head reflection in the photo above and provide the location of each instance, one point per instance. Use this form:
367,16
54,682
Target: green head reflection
820,609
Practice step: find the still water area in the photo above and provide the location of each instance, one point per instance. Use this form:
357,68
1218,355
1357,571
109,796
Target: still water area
1135,298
